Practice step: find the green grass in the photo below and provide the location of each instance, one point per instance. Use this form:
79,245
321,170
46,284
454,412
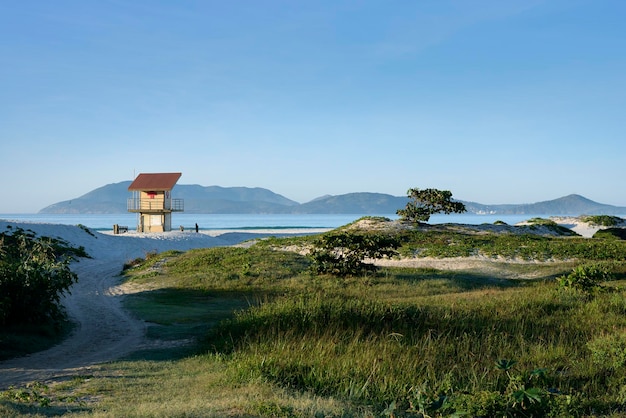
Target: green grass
374,352
273,340
603,220
445,243
177,318
20,340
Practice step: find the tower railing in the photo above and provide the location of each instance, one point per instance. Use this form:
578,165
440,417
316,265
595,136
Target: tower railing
139,205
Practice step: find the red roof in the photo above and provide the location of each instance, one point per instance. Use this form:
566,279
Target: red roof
154,181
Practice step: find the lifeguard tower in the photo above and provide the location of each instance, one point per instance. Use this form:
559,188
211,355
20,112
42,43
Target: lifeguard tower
152,201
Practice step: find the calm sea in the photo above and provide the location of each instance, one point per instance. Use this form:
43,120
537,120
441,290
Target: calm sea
241,221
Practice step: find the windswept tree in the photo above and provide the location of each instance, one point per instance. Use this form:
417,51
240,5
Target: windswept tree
426,202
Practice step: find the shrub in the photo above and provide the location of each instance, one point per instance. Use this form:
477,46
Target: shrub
87,230
603,220
344,254
34,273
609,351
541,221
611,233
586,278
551,225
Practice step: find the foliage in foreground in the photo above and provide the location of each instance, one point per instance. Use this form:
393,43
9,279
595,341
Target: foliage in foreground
403,342
587,278
409,342
344,254
34,273
438,355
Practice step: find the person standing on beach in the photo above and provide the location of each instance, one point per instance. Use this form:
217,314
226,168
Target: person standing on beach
196,228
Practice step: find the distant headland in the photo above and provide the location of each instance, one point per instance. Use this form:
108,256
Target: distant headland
112,198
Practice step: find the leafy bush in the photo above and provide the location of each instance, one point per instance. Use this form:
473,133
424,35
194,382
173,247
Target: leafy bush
550,224
611,233
609,351
541,221
586,278
603,220
343,253
34,273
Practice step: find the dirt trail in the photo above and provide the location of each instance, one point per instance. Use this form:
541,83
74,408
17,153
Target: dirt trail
104,330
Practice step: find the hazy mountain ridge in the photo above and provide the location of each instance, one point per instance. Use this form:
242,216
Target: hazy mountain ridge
112,198
572,204
366,203
216,199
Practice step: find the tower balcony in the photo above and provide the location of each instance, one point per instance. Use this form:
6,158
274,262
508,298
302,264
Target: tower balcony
155,205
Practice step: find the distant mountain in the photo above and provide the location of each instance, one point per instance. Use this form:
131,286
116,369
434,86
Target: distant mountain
568,205
359,203
215,199
112,198
106,199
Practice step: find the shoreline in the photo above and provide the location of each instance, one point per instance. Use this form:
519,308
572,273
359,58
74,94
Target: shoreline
215,232
573,223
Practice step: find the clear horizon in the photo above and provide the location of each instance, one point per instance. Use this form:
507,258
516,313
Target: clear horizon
498,102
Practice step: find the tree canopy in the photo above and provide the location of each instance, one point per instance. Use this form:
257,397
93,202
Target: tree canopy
426,202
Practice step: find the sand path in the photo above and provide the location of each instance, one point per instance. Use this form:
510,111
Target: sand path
104,330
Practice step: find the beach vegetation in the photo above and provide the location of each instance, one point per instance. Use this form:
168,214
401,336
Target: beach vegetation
549,224
34,274
255,332
611,233
87,230
603,220
587,278
345,253
426,202
518,243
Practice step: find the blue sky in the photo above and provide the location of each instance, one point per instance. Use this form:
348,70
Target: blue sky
496,101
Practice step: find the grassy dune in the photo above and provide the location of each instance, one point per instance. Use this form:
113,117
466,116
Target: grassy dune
251,332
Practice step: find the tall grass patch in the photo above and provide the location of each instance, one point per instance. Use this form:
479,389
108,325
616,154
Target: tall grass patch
236,269
375,352
414,339
276,340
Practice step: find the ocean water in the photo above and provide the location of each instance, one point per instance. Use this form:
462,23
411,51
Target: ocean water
245,221
188,220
